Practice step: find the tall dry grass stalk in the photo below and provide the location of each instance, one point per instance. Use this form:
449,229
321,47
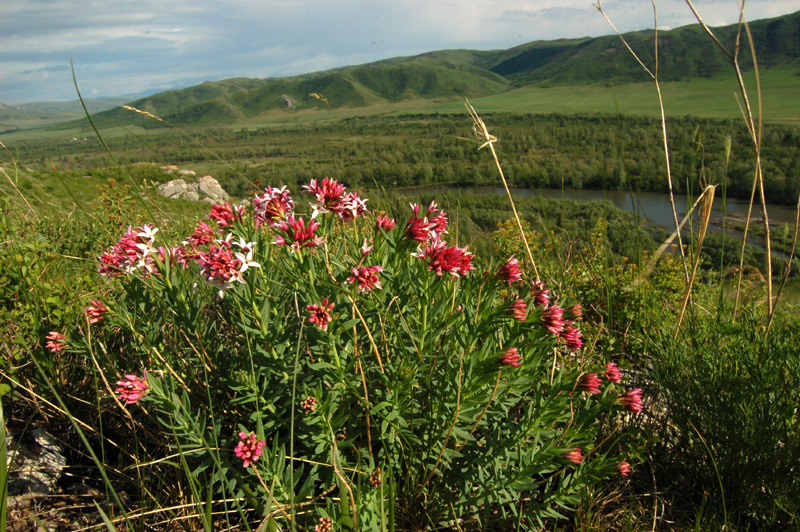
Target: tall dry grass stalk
482,132
754,127
654,75
706,205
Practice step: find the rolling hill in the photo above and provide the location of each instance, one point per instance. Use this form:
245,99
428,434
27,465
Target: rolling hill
685,54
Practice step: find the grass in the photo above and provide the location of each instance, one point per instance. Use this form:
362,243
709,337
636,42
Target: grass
699,97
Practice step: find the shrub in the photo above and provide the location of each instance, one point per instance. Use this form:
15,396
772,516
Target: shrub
732,431
348,367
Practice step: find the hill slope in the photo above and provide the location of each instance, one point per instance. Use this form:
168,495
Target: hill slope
684,54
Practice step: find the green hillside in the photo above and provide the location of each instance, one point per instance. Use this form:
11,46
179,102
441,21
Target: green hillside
684,54
553,73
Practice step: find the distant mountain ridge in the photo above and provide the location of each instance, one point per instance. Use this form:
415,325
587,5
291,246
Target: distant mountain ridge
684,53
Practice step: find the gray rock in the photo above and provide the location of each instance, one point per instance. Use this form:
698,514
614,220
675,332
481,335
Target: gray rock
210,190
287,101
206,189
34,463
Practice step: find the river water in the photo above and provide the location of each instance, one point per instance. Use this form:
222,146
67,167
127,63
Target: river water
656,207
652,205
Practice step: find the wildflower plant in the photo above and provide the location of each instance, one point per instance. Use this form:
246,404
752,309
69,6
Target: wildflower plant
359,369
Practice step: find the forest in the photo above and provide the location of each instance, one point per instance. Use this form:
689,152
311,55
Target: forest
420,150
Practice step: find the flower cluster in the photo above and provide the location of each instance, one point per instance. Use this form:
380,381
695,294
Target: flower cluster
511,358
221,265
574,455
428,226
134,252
309,404
331,197
202,236
510,271
375,477
94,311
249,449
613,373
442,258
384,223
272,207
518,309
55,341
132,388
553,319
325,525
632,400
571,336
296,234
366,277
321,314
590,383
226,214
540,294
624,469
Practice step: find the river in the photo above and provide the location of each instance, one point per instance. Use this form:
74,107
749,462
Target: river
654,206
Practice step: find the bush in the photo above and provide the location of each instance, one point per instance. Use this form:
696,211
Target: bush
343,368
732,431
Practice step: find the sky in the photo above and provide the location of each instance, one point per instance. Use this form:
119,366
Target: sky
123,47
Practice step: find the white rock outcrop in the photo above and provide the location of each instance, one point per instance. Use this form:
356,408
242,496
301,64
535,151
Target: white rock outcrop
206,189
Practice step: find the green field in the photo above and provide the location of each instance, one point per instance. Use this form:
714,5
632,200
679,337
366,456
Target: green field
715,98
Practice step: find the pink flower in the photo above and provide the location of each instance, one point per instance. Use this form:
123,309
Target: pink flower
571,336
375,478
134,251
55,341
384,223
424,228
540,294
325,525
329,194
221,266
365,249
203,235
366,277
94,312
511,357
132,388
624,469
632,400
575,312
331,197
249,449
321,314
226,214
613,373
309,404
442,259
574,456
297,234
350,207
272,207
510,271
553,319
590,383
518,310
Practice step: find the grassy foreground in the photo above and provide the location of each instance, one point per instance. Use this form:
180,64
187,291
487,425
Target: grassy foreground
369,383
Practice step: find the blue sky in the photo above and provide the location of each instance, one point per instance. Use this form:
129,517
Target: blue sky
124,46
